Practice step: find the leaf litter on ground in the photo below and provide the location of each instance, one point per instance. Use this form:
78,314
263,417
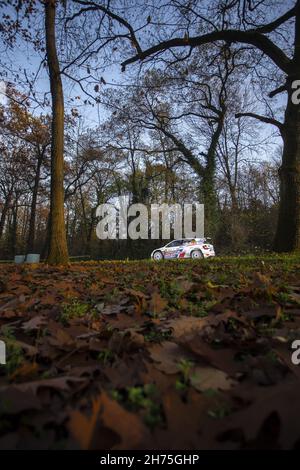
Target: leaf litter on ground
100,356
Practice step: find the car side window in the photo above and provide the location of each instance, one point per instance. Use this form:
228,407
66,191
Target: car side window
174,243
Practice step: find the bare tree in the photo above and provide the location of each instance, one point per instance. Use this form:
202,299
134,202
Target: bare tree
241,22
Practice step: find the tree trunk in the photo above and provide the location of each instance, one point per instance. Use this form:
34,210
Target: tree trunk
31,231
13,229
84,218
208,181
4,213
235,227
288,227
91,231
58,250
45,248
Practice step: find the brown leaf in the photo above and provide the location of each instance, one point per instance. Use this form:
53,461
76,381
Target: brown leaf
14,400
184,325
205,378
8,309
157,304
82,427
28,369
57,383
132,432
282,400
111,415
167,356
221,358
109,309
35,323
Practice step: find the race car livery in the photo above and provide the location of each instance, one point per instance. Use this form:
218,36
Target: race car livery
195,248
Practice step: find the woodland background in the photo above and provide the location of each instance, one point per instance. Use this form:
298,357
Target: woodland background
170,131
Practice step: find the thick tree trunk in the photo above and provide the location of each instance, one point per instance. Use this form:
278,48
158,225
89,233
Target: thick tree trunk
4,213
208,180
58,251
288,228
31,231
14,228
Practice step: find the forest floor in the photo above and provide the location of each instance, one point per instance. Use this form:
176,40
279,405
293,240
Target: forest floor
138,354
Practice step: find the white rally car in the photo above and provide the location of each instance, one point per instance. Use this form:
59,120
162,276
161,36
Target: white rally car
195,248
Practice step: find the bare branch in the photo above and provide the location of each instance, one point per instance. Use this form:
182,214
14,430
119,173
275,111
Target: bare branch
264,119
256,39
114,16
268,28
278,90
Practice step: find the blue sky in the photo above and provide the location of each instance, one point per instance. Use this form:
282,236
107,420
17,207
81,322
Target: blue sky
25,57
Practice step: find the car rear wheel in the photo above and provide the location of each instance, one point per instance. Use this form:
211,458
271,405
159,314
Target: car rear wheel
196,254
157,255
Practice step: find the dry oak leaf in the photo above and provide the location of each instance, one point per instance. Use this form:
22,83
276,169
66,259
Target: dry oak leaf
167,356
157,304
184,419
7,310
49,299
34,323
185,325
14,401
140,303
82,427
28,348
26,370
206,378
220,358
185,285
133,433
61,339
58,383
108,413
281,400
135,293
109,309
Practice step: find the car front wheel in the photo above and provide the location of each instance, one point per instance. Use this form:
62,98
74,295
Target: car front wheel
157,255
196,254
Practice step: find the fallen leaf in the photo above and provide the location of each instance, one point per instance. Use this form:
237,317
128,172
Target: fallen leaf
205,378
108,413
133,433
35,323
167,356
82,427
157,304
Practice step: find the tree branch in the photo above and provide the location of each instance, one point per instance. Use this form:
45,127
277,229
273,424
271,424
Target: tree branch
264,119
111,14
278,90
254,38
268,28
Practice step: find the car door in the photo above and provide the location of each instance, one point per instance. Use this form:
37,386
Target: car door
171,250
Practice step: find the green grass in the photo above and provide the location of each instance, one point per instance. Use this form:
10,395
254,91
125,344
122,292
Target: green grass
74,309
143,399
